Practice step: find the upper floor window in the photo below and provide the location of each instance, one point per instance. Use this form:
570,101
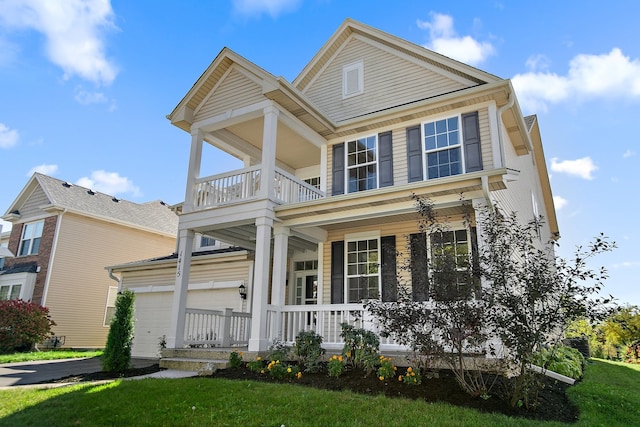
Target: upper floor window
10,292
443,148
362,164
30,241
352,79
314,182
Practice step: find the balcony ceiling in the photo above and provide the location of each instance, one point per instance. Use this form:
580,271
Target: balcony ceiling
291,148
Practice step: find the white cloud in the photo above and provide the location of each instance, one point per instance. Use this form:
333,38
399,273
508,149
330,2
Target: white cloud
627,264
271,7
8,137
611,75
582,168
85,97
628,154
444,40
559,202
44,169
73,30
110,183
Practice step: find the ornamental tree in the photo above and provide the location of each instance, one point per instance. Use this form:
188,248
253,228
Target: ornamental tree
23,324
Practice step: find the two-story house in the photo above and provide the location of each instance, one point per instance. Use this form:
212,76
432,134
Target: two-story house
62,237
322,205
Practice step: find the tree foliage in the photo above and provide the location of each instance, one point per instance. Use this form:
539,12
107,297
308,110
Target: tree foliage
510,298
22,325
117,353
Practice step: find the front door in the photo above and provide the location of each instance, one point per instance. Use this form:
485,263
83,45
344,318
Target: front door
306,287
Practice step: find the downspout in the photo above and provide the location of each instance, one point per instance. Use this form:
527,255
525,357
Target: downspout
501,110
111,276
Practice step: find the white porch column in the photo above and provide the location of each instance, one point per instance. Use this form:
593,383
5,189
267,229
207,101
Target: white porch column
175,339
280,252
258,340
195,160
269,136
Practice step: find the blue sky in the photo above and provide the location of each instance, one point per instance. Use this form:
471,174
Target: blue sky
85,87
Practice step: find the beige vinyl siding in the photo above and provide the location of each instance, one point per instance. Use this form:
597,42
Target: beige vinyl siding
152,309
31,207
79,284
401,230
517,196
235,91
389,80
399,135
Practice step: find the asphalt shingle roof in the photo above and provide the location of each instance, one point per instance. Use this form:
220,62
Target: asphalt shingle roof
154,215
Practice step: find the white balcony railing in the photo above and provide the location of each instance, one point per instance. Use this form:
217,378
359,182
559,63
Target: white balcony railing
245,184
216,328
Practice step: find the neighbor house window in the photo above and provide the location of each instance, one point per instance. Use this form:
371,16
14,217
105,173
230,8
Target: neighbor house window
30,241
362,164
110,310
363,269
352,79
443,147
10,292
314,182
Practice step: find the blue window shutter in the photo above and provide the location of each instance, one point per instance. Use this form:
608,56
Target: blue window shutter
385,149
471,141
389,279
419,267
337,272
337,186
414,154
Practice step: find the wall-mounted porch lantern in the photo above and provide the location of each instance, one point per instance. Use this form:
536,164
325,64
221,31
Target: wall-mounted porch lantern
242,291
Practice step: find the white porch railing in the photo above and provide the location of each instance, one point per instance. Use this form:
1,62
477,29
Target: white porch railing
245,184
216,328
285,322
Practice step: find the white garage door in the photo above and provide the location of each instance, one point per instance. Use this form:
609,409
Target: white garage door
153,315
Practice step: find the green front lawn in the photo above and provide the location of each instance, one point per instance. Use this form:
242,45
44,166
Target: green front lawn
607,396
47,355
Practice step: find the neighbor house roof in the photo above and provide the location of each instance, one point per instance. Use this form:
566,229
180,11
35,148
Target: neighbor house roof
230,251
152,216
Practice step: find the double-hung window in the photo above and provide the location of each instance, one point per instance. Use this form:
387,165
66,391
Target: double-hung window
451,264
362,164
363,269
30,240
443,147
10,292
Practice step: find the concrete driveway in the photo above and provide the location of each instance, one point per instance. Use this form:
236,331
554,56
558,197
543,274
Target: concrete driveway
23,373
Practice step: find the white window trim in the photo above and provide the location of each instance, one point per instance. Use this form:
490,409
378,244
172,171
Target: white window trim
357,237
359,67
31,238
112,293
425,167
347,168
199,241
11,286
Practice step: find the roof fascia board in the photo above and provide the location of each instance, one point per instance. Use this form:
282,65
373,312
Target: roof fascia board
543,174
25,193
171,263
297,96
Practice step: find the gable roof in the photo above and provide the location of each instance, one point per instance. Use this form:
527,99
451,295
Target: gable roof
153,216
351,27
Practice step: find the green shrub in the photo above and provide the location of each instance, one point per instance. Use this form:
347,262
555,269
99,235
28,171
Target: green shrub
117,353
386,370
281,370
235,359
566,361
22,325
279,351
256,365
335,367
411,377
308,349
360,347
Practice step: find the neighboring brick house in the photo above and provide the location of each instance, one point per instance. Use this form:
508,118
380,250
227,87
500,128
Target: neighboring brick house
62,237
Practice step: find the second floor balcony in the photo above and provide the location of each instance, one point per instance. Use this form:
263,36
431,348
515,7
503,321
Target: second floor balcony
248,184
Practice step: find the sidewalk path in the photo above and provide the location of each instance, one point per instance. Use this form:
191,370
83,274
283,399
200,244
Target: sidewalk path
23,373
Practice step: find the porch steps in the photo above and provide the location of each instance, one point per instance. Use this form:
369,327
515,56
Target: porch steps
201,360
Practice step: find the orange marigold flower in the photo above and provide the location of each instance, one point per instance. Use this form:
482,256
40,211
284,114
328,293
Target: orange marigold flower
399,377
381,378
409,369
